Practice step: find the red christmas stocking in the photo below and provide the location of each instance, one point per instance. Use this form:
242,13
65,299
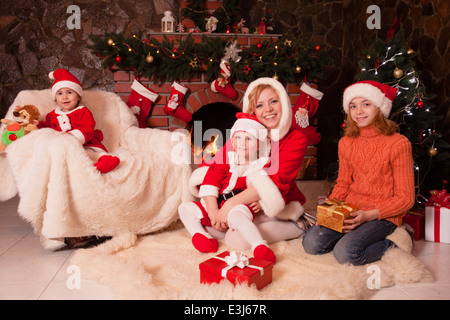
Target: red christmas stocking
305,107
222,83
140,102
174,106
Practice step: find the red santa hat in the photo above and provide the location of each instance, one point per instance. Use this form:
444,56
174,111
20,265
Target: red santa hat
249,123
64,79
381,95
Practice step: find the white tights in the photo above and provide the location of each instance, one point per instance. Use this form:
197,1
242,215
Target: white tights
240,219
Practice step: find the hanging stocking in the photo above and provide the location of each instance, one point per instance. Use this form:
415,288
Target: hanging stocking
304,109
222,83
174,106
140,102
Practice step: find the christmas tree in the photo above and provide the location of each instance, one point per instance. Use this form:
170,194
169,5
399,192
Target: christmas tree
392,62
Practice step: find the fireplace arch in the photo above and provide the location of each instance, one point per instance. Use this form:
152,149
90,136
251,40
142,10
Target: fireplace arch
209,125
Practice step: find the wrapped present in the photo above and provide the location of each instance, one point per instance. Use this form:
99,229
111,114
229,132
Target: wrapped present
237,268
437,217
332,213
416,219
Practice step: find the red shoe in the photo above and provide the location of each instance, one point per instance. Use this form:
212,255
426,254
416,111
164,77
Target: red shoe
107,163
263,252
204,244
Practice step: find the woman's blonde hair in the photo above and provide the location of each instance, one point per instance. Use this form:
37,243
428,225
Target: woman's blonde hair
382,124
254,96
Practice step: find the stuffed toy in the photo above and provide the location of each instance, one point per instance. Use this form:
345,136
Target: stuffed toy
27,120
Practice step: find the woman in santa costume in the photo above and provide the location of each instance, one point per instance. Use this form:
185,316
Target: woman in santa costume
72,118
276,191
249,156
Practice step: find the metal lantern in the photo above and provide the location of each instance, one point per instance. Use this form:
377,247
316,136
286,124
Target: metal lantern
167,22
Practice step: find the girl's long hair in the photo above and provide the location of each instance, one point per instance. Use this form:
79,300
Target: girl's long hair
382,124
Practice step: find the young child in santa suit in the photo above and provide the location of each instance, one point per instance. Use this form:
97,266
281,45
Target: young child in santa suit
224,180
375,174
72,118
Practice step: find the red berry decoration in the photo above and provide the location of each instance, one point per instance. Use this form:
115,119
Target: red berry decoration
420,104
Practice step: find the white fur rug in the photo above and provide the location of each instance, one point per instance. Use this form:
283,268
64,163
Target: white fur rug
165,266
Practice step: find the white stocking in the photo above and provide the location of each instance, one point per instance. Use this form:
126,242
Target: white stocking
191,215
241,219
271,229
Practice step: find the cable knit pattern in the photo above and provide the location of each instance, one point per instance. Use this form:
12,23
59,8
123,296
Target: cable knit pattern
376,171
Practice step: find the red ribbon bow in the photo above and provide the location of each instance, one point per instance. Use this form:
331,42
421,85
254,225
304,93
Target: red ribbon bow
439,198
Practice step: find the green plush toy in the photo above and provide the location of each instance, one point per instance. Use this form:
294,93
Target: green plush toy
12,133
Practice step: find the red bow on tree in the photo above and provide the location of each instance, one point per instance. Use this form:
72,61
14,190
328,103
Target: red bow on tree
390,34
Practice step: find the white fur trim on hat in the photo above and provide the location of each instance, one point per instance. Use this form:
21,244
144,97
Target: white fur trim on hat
66,84
250,126
286,113
370,92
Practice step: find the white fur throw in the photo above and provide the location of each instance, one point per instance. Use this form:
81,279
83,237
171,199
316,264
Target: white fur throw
63,195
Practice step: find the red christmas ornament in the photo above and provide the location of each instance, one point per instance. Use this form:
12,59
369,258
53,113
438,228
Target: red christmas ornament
343,125
118,59
317,48
420,104
259,45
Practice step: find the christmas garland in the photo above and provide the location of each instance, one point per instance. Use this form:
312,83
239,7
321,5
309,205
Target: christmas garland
168,61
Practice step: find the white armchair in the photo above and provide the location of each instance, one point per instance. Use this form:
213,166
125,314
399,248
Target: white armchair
63,195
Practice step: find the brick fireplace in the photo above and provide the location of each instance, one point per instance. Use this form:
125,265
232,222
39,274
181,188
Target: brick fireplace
200,94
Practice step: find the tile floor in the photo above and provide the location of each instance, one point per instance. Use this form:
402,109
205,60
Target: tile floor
28,271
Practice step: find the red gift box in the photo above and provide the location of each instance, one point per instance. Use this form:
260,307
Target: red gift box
255,271
416,220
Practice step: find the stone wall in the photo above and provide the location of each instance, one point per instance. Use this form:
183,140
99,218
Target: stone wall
35,40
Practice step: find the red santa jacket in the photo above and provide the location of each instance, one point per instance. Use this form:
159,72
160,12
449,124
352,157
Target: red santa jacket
279,194
226,177
79,122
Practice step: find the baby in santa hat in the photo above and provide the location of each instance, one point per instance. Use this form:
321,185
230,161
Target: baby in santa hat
75,119
224,180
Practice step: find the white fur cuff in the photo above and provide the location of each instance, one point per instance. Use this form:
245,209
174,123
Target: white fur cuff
271,200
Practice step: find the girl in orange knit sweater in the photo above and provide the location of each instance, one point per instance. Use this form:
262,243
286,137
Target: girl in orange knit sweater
375,174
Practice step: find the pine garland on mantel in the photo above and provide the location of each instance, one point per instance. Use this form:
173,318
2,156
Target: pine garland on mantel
283,59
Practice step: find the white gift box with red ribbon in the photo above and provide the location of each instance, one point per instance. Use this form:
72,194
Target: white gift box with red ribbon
437,224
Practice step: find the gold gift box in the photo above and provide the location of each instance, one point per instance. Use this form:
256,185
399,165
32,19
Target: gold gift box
332,214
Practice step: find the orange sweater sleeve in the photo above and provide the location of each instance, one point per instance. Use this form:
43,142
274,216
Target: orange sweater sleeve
403,191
